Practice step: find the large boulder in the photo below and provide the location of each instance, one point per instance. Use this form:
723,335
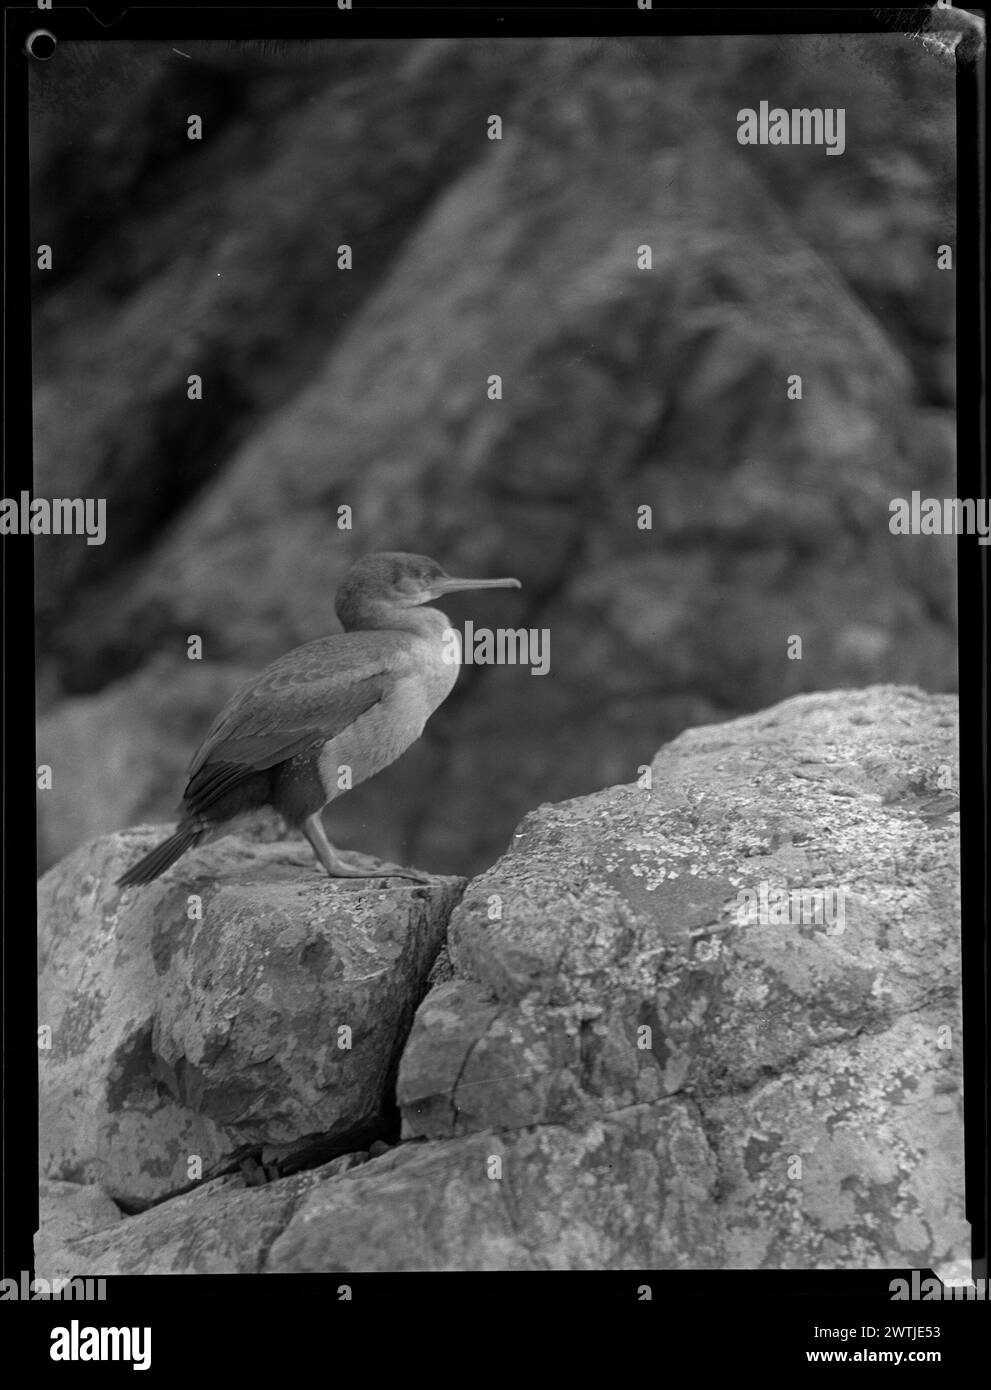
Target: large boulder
244,1005
625,911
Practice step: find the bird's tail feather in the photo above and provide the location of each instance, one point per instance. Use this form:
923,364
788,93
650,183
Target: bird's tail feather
162,857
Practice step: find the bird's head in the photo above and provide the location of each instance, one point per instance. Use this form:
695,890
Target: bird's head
394,579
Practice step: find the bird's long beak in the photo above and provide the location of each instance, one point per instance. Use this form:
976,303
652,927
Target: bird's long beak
448,585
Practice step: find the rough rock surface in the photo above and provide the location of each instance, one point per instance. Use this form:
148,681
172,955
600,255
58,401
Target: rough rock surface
207,1014
826,791
623,1066
67,1211
222,1227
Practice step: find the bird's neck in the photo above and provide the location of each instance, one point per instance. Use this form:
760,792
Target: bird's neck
428,623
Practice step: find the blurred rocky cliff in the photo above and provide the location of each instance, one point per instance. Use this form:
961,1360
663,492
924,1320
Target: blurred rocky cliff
622,387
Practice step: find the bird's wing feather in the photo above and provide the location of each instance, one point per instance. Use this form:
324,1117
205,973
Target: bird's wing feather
303,699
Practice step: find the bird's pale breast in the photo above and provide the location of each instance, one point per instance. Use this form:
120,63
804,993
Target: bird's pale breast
381,734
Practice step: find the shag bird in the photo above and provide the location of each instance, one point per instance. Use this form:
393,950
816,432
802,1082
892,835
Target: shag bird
327,715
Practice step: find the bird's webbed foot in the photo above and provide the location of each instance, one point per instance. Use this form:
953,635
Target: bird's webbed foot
337,867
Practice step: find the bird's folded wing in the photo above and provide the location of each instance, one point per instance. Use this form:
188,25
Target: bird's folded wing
302,700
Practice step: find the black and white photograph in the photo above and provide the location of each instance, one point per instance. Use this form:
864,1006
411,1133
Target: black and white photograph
503,511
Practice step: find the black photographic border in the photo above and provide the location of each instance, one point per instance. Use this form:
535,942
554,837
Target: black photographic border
723,1299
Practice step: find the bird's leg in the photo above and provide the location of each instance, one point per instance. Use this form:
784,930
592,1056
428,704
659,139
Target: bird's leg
337,867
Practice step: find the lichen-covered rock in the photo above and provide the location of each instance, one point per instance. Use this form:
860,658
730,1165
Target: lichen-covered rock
222,1227
243,1002
626,949
634,1191
626,1063
854,1159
